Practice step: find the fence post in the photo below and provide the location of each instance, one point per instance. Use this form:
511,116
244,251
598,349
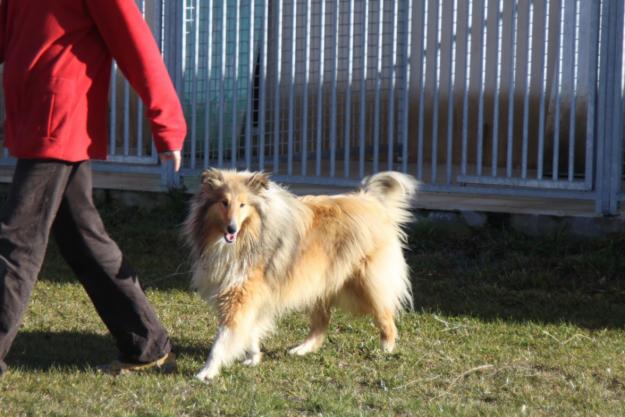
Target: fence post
174,55
609,138
617,135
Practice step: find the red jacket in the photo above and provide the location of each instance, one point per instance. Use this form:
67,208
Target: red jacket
57,58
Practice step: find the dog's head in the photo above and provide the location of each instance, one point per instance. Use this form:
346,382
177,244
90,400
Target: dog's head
226,204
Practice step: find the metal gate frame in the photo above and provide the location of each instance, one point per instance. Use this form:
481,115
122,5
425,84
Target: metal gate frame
603,168
606,149
610,110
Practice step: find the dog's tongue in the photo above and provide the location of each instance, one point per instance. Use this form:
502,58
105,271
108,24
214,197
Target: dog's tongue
230,237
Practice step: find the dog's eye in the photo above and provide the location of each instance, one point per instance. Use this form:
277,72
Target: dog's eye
242,205
225,203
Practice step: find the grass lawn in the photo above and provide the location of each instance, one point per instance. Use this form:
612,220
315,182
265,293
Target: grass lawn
504,325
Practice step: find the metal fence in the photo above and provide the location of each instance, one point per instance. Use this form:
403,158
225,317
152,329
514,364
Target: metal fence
493,97
316,91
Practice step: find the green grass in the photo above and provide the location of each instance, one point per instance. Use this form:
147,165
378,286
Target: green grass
504,325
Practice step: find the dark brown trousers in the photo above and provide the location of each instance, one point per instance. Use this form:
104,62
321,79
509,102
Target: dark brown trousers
55,196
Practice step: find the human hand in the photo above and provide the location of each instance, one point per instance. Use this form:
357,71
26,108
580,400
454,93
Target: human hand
174,156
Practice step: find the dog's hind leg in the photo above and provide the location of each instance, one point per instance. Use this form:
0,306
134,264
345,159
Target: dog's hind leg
386,288
253,355
385,321
319,320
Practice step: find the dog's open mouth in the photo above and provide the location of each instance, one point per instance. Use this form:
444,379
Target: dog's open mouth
230,237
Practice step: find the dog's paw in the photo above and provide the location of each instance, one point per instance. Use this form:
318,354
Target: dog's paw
388,346
303,349
205,375
253,359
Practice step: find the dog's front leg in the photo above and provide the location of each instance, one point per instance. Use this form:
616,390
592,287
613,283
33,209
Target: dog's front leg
253,354
228,345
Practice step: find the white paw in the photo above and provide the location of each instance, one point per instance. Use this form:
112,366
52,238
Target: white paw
206,375
253,359
303,349
388,346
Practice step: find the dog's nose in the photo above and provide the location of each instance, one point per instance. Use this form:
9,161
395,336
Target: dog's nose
232,228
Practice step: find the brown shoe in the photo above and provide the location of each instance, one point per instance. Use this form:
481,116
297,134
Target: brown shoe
166,365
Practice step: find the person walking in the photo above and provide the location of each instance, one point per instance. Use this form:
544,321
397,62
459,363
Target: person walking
57,57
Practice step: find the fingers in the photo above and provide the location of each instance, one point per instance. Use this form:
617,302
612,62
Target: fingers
173,156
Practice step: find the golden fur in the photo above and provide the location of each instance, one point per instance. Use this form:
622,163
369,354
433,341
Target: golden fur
260,251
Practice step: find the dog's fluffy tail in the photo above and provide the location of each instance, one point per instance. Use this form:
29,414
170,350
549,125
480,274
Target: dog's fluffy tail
396,191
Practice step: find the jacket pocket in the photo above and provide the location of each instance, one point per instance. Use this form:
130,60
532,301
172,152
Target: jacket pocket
50,107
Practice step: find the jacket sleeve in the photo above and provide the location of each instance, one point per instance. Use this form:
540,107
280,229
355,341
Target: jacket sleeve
132,45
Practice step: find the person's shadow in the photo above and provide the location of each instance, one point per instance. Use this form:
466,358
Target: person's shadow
44,350
76,350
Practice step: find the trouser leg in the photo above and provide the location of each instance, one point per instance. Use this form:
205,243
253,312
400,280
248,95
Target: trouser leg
33,201
109,280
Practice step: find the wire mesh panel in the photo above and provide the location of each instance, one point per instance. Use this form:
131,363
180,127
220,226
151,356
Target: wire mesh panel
221,60
129,132
506,93
620,134
485,96
310,89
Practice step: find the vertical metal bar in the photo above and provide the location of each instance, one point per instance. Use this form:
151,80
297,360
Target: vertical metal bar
363,88
140,103
208,82
222,81
306,89
468,46
278,65
407,23
250,86
606,82
320,135
348,99
333,99
558,90
437,89
574,54
234,139
113,111
423,61
292,90
616,160
194,81
378,87
451,82
160,18
483,6
529,29
543,91
262,96
591,111
498,71
176,53
392,86
512,86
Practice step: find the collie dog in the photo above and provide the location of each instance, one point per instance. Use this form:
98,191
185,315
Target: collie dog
259,251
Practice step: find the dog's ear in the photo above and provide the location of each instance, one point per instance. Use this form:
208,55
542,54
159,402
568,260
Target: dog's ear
258,181
212,178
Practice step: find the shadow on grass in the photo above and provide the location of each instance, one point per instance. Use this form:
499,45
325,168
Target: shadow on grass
492,273
498,274
43,351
